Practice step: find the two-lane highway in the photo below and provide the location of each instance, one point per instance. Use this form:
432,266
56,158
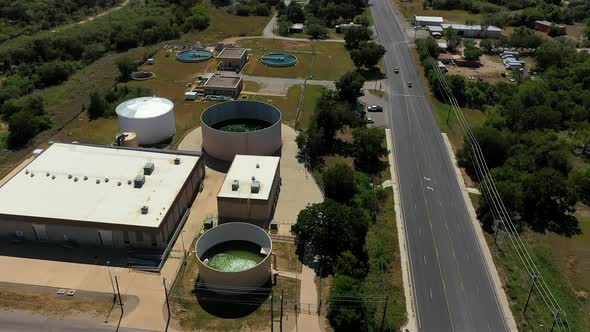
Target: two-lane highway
453,290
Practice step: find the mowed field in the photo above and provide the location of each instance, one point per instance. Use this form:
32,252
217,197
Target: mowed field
317,60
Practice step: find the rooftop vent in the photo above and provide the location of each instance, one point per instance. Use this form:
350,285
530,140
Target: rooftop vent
235,184
85,178
177,161
144,209
148,168
257,165
69,176
129,181
139,181
106,179
97,181
253,178
255,187
53,177
47,174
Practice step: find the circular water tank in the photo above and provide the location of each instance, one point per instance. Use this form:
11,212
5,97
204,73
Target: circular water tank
151,118
229,236
241,127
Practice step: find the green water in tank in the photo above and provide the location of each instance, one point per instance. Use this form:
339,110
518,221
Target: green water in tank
233,256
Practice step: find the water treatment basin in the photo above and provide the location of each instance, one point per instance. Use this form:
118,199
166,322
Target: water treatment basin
234,255
194,55
279,59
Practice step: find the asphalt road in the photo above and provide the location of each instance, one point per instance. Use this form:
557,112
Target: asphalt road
17,322
452,285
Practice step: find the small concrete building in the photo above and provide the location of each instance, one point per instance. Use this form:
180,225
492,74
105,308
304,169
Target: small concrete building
423,21
297,28
544,26
344,27
250,190
221,85
233,58
103,196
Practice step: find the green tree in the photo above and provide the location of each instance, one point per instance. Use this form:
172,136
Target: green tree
472,53
339,183
98,106
554,53
453,39
54,72
342,315
368,149
262,10
362,20
316,31
367,55
487,45
295,12
350,86
242,10
494,145
126,67
284,27
355,36
348,264
579,181
325,230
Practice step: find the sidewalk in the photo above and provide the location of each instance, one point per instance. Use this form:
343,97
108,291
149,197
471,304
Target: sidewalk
491,267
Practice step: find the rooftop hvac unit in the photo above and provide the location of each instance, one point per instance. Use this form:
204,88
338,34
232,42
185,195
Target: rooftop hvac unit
148,168
177,161
235,185
255,187
144,209
139,181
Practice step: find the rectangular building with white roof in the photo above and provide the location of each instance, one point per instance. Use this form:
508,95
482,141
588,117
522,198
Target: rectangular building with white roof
101,196
250,190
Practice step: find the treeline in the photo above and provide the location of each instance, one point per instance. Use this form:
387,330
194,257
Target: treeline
19,17
532,132
103,103
335,232
321,15
247,8
519,12
45,59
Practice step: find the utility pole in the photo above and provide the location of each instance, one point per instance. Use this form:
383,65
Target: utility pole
281,322
111,279
534,278
496,231
555,317
272,313
384,313
167,303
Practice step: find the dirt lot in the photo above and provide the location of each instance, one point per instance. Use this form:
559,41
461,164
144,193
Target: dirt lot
83,306
491,68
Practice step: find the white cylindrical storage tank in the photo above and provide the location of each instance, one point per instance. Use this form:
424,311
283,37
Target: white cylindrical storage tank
218,272
151,118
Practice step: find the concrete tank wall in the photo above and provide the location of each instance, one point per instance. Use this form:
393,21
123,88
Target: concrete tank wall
235,231
225,145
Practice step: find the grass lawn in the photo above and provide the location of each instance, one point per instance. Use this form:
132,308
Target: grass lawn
259,47
288,104
311,95
328,61
474,118
212,312
550,259
287,259
385,277
219,28
410,9
250,86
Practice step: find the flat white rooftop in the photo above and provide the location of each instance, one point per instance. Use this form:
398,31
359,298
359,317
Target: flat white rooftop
437,19
44,188
242,169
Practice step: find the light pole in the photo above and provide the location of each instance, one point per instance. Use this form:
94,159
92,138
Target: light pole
111,277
